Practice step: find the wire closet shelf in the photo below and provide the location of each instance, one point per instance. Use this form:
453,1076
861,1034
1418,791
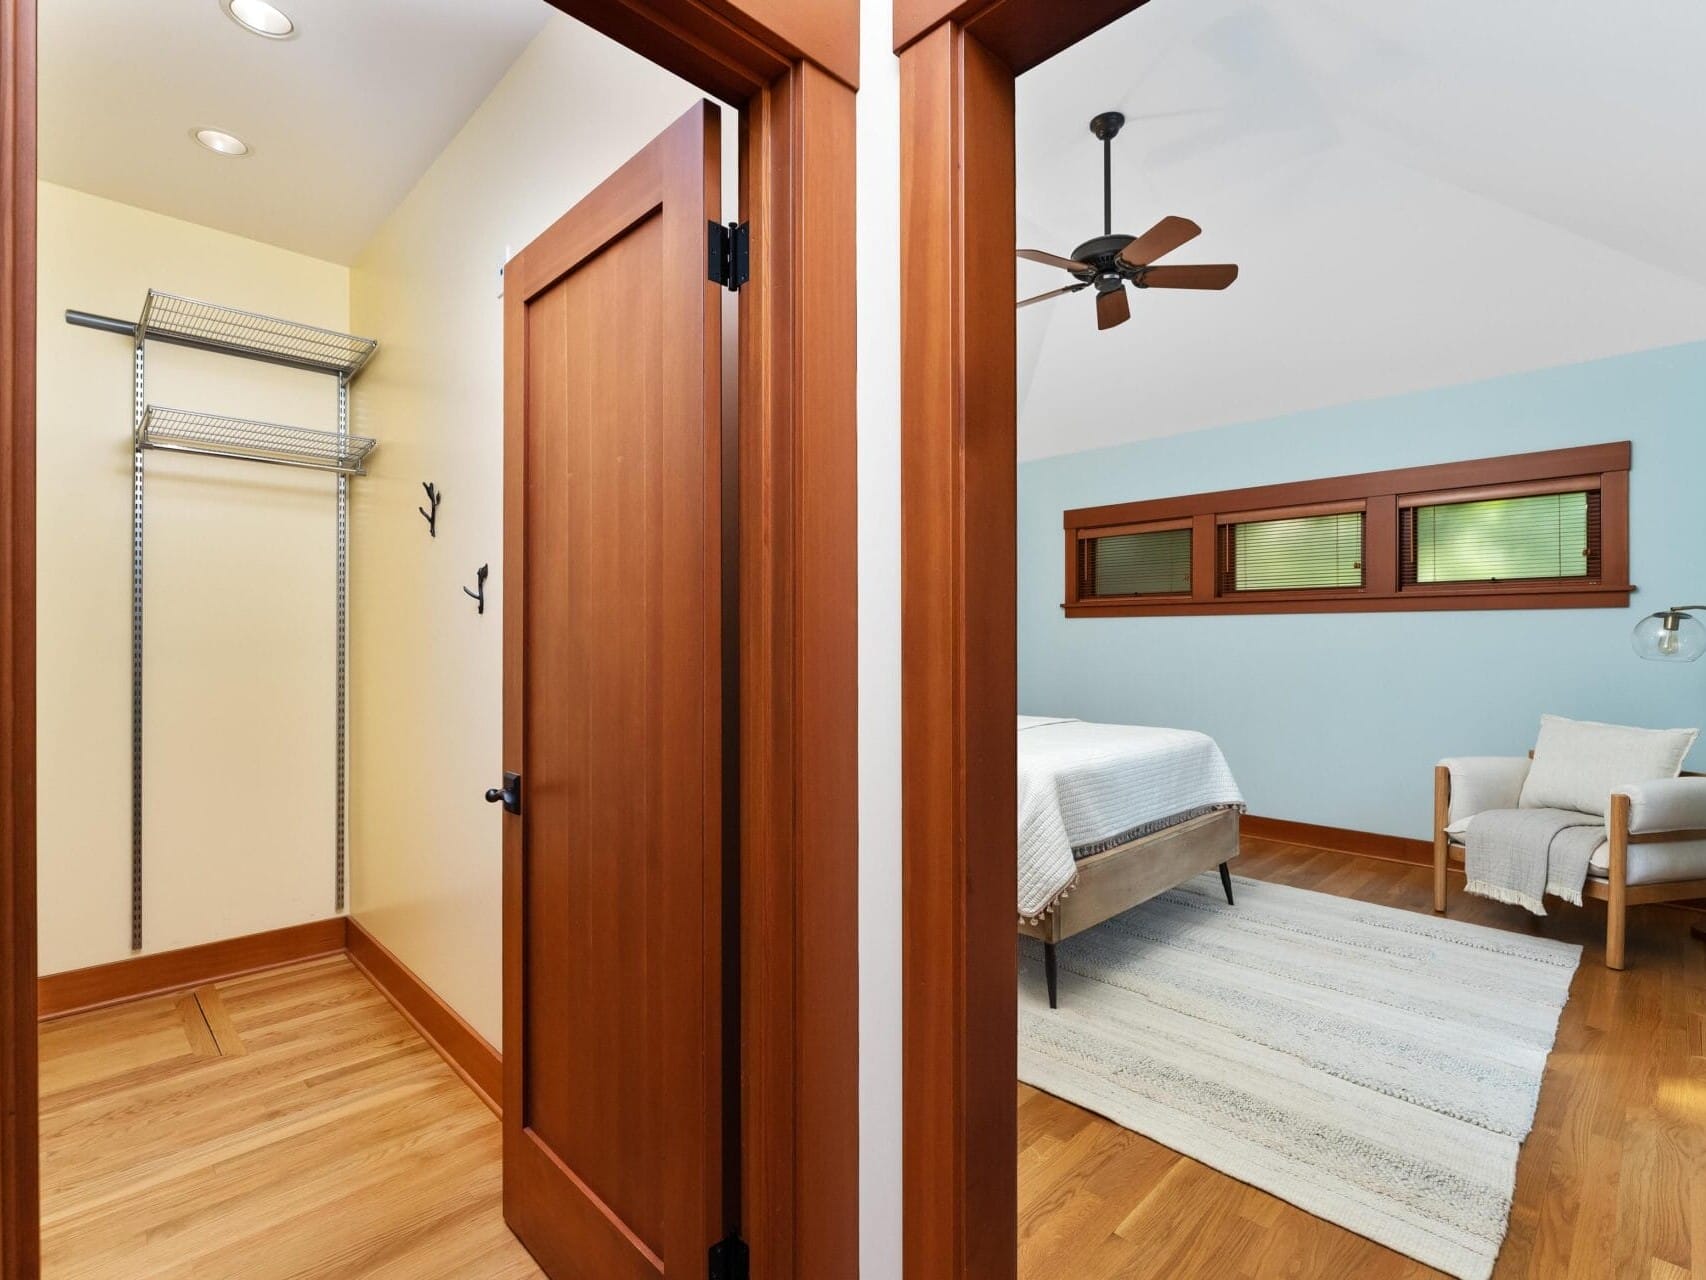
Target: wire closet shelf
166,317
212,434
207,326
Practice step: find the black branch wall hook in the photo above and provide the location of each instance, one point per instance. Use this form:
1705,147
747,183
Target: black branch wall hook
431,517
478,597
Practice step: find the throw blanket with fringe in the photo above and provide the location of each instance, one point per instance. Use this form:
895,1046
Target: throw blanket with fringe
1084,788
1521,855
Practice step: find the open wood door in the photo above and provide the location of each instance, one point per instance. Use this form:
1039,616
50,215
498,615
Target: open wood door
614,986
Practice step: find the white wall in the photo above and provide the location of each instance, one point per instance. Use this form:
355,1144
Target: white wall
427,671
879,648
239,576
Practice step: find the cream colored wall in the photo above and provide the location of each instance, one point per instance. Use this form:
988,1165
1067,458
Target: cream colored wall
239,602
426,670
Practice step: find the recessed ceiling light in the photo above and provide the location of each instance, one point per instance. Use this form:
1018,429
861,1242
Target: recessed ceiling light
217,140
259,17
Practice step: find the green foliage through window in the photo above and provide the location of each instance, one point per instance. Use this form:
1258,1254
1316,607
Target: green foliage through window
1503,539
1300,553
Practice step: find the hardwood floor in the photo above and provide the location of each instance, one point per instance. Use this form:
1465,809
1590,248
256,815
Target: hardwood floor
292,1124
1611,1183
286,1124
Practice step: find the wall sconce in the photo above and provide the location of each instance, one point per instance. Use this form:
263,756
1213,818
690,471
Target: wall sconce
1673,635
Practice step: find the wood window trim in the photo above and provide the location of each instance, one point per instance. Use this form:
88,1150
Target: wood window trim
791,69
1381,496
1075,550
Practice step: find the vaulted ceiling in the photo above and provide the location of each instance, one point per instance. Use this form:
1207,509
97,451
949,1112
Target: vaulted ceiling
1417,195
343,117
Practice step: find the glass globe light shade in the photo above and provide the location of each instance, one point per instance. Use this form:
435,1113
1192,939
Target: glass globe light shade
1675,635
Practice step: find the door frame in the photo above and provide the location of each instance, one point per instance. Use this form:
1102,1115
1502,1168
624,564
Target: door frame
959,674
792,70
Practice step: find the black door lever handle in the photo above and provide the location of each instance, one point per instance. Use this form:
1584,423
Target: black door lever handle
509,793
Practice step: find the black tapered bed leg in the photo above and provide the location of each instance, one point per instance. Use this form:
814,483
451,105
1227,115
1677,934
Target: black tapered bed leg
1226,882
1049,970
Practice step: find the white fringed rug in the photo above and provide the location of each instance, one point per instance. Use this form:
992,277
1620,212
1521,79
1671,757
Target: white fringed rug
1377,1068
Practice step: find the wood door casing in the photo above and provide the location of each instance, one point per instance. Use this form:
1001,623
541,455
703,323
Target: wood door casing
614,997
20,1240
958,60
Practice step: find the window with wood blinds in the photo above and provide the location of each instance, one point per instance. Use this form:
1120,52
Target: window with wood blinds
1535,538
1137,562
1290,553
1529,531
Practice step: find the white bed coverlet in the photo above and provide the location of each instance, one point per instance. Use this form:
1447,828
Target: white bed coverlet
1082,784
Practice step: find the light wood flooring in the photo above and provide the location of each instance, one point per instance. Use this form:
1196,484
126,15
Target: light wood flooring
293,1125
289,1124
1611,1183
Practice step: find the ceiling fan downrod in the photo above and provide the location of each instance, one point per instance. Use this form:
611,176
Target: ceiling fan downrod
1107,127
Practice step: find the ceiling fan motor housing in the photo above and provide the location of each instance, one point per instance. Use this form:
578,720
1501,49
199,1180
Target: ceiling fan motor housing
1102,253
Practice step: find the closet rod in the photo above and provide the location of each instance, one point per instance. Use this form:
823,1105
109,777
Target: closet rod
111,324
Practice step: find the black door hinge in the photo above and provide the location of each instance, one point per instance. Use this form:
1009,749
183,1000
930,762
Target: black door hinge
728,254
729,1259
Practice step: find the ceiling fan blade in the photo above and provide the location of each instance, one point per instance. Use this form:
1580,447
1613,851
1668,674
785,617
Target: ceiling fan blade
1164,237
1053,293
1053,260
1203,277
1112,308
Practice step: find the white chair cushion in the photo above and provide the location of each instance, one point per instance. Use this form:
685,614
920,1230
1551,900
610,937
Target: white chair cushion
1577,763
1479,783
1670,804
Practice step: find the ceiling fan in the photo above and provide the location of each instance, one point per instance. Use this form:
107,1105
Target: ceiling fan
1110,260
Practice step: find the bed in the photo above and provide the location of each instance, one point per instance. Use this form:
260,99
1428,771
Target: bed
1110,815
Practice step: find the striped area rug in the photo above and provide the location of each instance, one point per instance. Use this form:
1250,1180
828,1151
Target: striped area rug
1375,1067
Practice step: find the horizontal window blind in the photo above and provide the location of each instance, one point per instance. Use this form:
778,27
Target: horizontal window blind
1544,536
1155,562
1295,554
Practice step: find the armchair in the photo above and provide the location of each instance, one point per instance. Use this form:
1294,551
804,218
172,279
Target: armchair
1655,849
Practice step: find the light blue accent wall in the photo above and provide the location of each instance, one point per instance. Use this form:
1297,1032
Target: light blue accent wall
1339,718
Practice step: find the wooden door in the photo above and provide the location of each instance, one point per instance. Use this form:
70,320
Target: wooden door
614,986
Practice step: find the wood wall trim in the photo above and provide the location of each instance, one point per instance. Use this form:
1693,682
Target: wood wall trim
1021,33
469,1053
959,674
134,977
1380,496
1409,851
20,1241
1517,468
1412,601
798,689
731,48
1364,844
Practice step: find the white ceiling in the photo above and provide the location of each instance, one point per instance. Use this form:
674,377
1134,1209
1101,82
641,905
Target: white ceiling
1417,195
343,117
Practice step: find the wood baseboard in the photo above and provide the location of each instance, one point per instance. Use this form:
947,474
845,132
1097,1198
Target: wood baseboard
1364,844
61,994
469,1053
1367,844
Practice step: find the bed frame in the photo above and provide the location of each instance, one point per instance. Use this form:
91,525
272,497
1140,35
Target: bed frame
1120,878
